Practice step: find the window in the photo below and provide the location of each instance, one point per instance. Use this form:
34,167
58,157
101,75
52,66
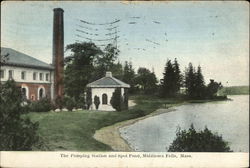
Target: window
11,74
41,76
34,75
104,99
47,77
2,73
24,92
41,93
23,75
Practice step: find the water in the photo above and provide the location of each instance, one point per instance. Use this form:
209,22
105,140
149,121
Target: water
228,118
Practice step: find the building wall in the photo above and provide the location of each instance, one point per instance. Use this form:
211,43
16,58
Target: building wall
29,74
32,90
32,86
99,92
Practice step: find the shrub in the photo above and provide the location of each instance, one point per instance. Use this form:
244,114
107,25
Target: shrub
59,102
193,141
81,102
96,102
89,98
69,103
16,132
116,100
43,105
138,112
125,99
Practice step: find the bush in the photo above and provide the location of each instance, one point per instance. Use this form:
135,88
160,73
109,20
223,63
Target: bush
16,132
81,102
116,100
89,98
69,103
96,102
43,105
193,141
138,112
59,102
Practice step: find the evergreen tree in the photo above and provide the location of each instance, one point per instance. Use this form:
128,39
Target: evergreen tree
168,88
116,100
177,82
96,102
199,84
190,81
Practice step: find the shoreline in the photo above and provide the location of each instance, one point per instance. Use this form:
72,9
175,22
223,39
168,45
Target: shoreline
111,136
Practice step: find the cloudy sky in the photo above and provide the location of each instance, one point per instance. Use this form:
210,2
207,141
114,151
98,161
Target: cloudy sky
214,35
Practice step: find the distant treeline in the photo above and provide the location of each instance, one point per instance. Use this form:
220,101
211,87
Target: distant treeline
234,90
88,63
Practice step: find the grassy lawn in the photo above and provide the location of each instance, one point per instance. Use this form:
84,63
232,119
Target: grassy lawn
74,130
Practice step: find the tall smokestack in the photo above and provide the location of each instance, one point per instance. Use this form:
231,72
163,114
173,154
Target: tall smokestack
58,52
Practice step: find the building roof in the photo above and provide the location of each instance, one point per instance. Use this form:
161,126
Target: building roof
16,58
108,82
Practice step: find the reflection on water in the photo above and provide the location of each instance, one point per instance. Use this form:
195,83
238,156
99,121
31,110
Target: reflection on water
228,118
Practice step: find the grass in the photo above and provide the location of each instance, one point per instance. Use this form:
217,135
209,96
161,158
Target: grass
73,131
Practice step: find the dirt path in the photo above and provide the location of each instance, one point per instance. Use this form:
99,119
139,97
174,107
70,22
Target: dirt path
111,136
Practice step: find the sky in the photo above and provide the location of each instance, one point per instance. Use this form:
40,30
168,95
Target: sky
214,35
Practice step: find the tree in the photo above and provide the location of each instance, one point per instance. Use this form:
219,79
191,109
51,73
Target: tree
198,141
177,77
129,76
168,77
146,80
212,88
199,84
96,102
125,98
79,67
89,98
16,132
116,100
106,62
190,81
172,79
117,70
69,103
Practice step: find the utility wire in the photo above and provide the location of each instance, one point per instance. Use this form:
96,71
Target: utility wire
108,23
97,39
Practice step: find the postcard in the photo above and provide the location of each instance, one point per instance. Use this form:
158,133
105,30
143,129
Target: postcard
124,84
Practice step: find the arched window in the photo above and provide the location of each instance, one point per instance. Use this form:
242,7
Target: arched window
41,92
24,92
104,99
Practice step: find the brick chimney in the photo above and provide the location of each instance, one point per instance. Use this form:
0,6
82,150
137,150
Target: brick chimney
58,52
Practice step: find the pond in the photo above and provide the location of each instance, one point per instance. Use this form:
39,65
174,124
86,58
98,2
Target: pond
228,118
